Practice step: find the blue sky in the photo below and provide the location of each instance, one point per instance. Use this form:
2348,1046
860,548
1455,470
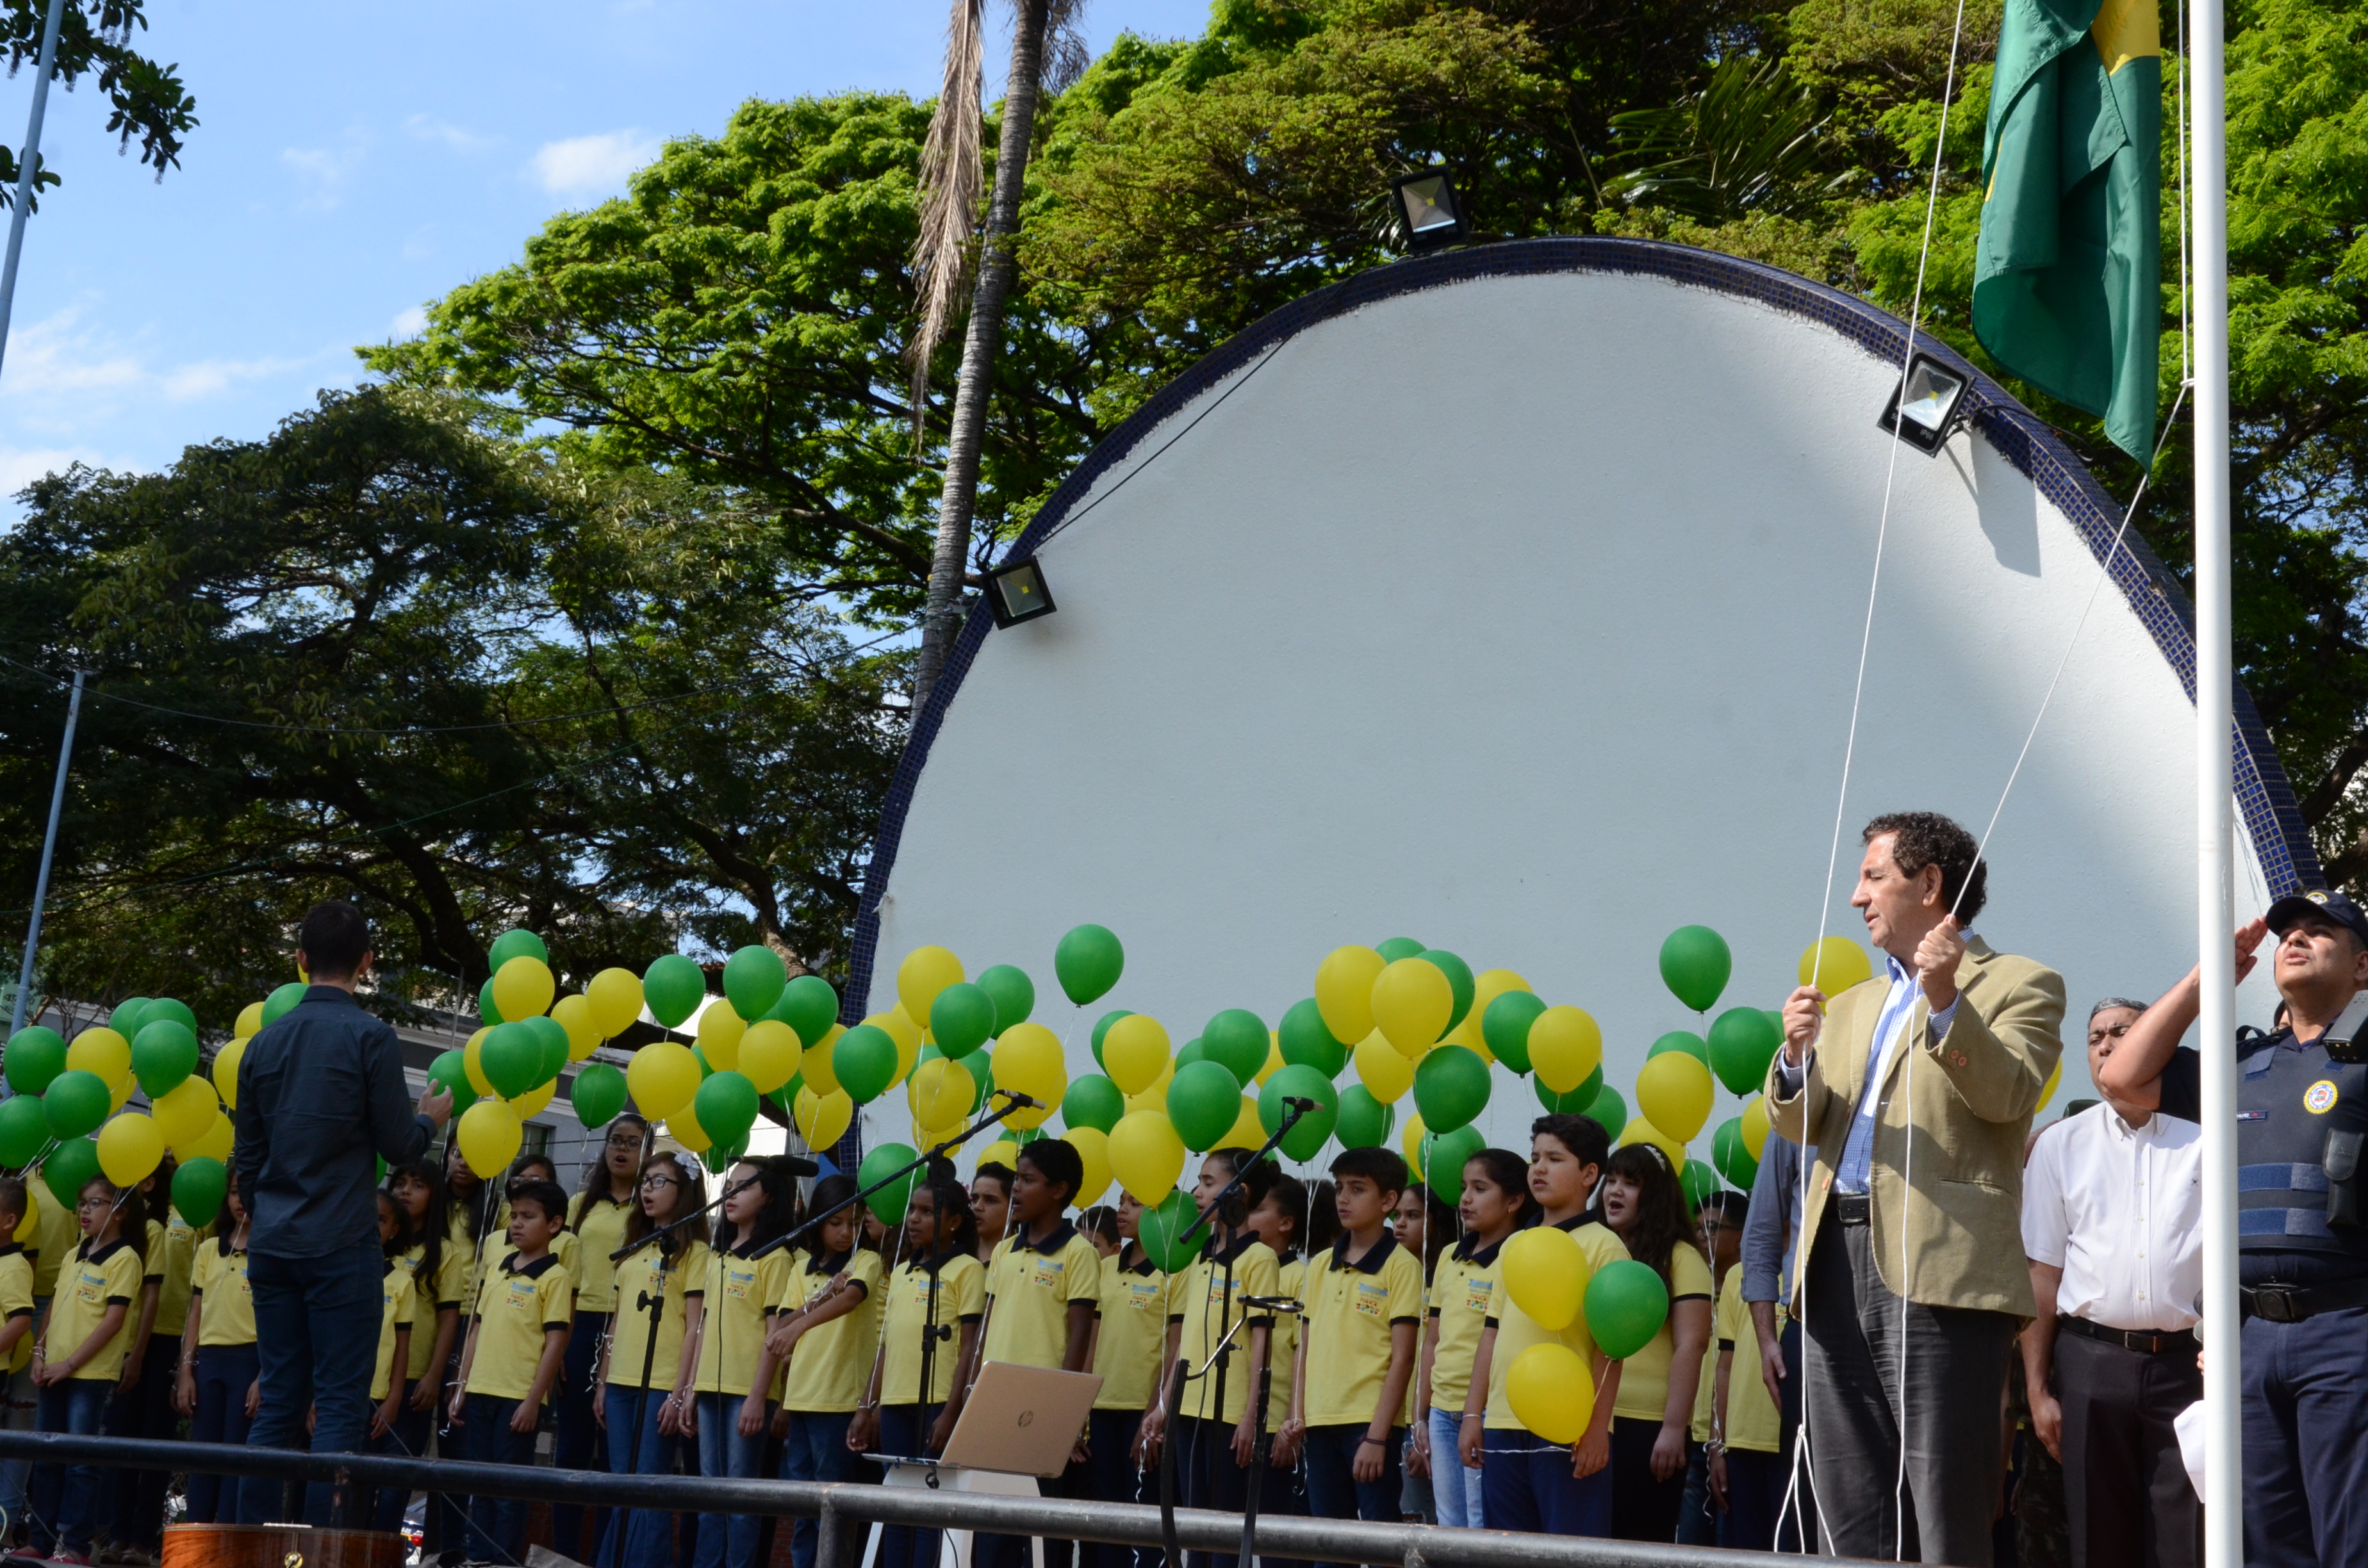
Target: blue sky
356,159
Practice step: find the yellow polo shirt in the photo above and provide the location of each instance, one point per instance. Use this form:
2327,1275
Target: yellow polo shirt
1645,1377
1352,1309
1282,1342
56,1234
650,1272
87,1286
424,1309
1136,1303
1752,1420
516,1306
1517,1331
170,1263
1461,1288
955,1294
832,1365
1029,1288
398,1292
17,1301
739,1295
225,1305
474,1257
1213,1290
598,1230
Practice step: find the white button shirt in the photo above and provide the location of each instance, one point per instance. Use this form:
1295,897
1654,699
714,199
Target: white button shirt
2120,1211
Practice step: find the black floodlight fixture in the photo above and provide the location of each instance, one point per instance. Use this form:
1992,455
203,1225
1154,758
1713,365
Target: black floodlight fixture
1927,406
1016,592
1433,213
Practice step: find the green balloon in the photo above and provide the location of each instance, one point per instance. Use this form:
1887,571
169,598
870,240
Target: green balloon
1364,1122
754,979
552,1035
1693,1044
1459,982
450,1069
1013,993
511,1059
1742,1043
808,1006
1695,964
1092,1101
1309,1133
962,1018
1591,1086
1398,948
1444,1156
1625,1304
1733,1160
77,1101
68,1169
1237,1041
1574,1102
1204,1102
1102,1026
1608,1112
1305,1043
1451,1087
24,1128
35,1055
889,1202
488,1013
170,1007
672,988
516,943
164,1055
198,1187
1192,1050
706,1068
726,1107
864,1062
1161,1233
599,1093
1505,1026
283,1000
127,1016
721,1158
1087,963
1699,1182
980,1065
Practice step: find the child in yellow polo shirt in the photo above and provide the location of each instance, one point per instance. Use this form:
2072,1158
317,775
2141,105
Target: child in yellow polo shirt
1748,1471
644,1347
525,1310
729,1368
1130,1347
826,1329
1280,1221
390,1372
80,1357
1363,1298
17,1334
1654,1415
1494,1202
220,1370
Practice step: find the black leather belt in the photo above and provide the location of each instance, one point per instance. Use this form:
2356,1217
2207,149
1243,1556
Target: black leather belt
2148,1342
1854,1208
2293,1303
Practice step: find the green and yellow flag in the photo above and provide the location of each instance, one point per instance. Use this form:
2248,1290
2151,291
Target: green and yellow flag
2068,275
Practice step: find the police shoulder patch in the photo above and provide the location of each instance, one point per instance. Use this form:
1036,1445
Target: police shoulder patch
2320,1098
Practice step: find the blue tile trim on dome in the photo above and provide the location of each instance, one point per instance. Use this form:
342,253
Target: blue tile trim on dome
2271,817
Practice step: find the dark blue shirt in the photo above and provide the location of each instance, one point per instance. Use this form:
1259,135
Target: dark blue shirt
320,1091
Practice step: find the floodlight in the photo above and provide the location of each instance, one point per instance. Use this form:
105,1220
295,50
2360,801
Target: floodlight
1016,592
1426,201
1931,407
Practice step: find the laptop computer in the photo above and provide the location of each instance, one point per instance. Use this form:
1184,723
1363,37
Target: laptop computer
1022,1420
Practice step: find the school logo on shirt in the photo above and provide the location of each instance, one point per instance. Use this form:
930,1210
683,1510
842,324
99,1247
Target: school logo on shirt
2319,1098
1477,1293
1371,1301
737,1280
90,1287
1049,1273
520,1295
1145,1295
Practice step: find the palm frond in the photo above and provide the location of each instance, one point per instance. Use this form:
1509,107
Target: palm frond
951,182
1065,56
1749,142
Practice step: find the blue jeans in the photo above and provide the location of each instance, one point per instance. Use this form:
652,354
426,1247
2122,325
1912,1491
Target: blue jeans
638,1538
224,1373
815,1451
727,1540
575,1436
1755,1495
1526,1484
497,1525
317,1339
902,1435
1333,1490
64,1500
1455,1491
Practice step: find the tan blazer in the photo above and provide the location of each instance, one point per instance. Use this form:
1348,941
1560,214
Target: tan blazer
1975,1092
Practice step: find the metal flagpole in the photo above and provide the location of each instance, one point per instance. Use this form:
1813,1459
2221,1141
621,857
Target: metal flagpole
2214,791
28,157
49,848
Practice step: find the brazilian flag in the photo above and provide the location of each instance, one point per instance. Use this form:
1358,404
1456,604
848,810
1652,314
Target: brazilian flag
2067,274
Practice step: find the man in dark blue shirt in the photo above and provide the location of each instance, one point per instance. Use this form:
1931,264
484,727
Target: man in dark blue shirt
320,1091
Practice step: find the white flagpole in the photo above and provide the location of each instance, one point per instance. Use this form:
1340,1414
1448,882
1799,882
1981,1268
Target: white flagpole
2216,788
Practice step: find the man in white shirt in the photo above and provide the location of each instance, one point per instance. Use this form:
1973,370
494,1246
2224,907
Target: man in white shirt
2112,1217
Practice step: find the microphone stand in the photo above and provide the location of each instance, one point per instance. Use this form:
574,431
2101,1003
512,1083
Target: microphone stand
1262,1441
1013,1101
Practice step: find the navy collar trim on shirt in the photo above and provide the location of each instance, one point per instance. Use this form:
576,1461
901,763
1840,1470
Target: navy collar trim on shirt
533,1271
10,1249
103,1254
1578,1222
1375,1255
827,1263
1221,1256
1050,1245
1469,1250
935,1262
1142,1265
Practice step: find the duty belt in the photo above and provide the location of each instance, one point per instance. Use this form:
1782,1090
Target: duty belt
2293,1303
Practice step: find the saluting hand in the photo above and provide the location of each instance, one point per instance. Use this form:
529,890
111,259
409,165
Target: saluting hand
1937,957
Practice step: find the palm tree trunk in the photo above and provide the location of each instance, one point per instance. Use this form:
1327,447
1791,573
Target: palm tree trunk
998,264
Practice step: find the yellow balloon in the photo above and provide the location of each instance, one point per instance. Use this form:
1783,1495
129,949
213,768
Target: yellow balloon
1092,1145
1384,1073
1344,990
616,998
2055,1080
225,1074
1486,986
684,1125
574,1014
823,1119
1552,1392
1410,1144
523,988
924,973
1412,1002
1546,1274
820,1077
771,1054
941,1093
473,1065
1247,1131
1274,1062
1002,1153
489,1134
214,1143
1565,1047
1675,1092
1834,964
907,1037
662,1078
1754,1125
1145,1156
250,1021
532,1102
1133,1052
1640,1130
130,1148
100,1050
121,1094
185,1111
719,1029
1028,1061
931,1137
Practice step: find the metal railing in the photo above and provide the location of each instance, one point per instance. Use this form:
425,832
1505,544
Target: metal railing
844,1506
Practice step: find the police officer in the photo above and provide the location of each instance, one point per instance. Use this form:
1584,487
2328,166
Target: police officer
2302,1116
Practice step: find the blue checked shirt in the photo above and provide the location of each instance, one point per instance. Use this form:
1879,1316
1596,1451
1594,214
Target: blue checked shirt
1890,1031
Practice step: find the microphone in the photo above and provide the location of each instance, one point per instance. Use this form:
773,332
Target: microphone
1299,1103
1019,1101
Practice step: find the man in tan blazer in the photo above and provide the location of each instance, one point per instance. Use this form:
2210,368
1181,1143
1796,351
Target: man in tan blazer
1917,1089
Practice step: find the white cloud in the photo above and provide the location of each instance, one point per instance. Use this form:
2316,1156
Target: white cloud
428,128
64,377
322,171
590,164
184,383
410,322
20,466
